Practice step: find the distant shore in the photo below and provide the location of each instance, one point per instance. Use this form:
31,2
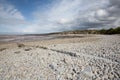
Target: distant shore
32,37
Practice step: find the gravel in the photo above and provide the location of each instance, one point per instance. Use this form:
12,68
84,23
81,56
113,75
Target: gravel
91,58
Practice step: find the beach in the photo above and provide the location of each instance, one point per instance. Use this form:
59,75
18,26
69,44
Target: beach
60,57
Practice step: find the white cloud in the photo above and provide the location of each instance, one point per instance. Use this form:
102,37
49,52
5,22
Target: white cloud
10,16
70,14
102,13
11,19
9,11
65,15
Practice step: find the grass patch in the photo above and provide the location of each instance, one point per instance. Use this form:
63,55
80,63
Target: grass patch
20,45
64,52
17,52
28,49
2,49
42,47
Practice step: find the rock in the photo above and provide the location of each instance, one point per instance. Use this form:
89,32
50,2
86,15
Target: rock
88,71
74,70
52,67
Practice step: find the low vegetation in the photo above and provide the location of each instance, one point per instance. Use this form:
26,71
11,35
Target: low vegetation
2,49
102,31
20,45
28,49
42,47
110,31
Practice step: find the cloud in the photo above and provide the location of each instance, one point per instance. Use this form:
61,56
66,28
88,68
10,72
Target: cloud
63,15
9,12
11,19
78,14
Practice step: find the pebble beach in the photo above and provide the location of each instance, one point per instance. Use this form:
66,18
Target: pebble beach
92,57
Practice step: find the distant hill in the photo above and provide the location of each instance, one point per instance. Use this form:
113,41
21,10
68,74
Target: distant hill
102,31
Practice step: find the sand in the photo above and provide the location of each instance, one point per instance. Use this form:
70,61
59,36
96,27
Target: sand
93,57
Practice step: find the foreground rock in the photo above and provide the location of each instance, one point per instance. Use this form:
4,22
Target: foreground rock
90,58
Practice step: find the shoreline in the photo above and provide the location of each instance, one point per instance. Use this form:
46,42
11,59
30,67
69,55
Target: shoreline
58,39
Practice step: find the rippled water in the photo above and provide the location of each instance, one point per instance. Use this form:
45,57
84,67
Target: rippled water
21,38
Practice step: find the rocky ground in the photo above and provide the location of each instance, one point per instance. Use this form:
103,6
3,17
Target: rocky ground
88,58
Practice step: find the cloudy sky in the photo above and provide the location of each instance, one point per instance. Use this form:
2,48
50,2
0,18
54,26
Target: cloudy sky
45,16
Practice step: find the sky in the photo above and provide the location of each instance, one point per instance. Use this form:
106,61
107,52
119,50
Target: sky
46,16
